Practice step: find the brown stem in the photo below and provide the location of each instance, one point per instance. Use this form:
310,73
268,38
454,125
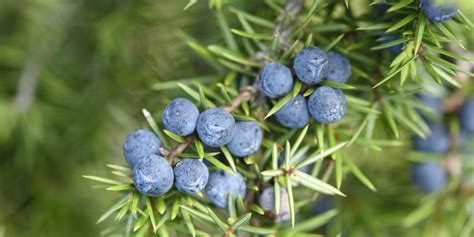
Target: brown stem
178,149
294,8
245,95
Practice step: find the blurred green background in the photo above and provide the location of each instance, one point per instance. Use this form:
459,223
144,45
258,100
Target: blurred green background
74,76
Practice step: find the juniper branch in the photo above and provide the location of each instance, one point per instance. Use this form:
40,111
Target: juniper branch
245,95
293,7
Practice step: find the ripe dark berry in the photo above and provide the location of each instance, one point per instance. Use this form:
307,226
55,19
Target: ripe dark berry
215,127
428,177
437,141
221,184
311,65
247,139
139,144
153,176
466,116
275,80
190,176
327,105
180,116
339,68
294,114
438,10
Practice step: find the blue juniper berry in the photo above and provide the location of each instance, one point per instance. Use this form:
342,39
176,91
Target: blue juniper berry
327,105
247,139
437,141
180,116
215,127
439,10
190,176
275,80
139,144
294,114
311,65
466,115
152,176
221,184
429,177
339,68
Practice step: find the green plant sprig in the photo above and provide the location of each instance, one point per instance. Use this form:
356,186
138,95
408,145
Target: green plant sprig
374,101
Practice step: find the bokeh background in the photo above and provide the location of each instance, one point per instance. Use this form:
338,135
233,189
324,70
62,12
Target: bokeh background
74,76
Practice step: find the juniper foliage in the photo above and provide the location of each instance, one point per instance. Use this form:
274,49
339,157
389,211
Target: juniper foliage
382,111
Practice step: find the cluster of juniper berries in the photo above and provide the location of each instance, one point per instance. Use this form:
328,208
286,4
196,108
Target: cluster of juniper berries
215,127
153,175
431,176
312,65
